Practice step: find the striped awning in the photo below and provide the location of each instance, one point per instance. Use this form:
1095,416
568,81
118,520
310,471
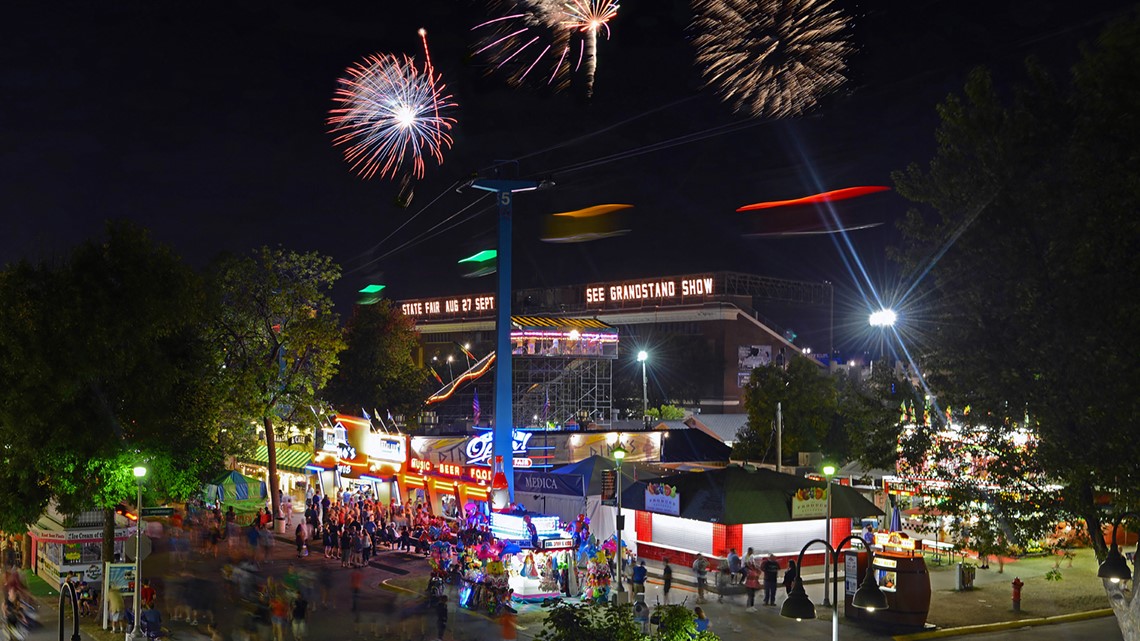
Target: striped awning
289,459
561,323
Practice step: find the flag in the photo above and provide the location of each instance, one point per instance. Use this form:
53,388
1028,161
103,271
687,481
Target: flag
466,351
366,416
435,375
475,409
390,419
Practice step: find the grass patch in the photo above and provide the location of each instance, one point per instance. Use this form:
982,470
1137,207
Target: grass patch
38,587
1079,590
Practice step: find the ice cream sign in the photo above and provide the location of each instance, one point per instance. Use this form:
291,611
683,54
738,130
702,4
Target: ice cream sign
662,498
480,448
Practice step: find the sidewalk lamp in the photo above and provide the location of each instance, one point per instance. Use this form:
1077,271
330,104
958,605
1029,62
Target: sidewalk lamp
828,472
137,633
619,456
868,597
1115,566
643,356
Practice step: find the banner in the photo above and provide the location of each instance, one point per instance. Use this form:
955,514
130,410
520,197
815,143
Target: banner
546,483
662,498
809,503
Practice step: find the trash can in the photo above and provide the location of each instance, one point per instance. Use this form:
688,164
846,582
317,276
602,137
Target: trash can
965,580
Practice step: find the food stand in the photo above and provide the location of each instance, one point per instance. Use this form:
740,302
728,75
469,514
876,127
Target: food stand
901,573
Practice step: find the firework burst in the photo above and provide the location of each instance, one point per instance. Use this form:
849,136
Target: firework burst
389,112
546,40
771,57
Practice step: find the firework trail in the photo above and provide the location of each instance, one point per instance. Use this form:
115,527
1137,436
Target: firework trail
546,40
389,111
771,57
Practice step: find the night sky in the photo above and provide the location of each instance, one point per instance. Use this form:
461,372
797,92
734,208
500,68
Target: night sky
205,122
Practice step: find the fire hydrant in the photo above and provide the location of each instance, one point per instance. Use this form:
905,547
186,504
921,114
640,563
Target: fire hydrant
1017,594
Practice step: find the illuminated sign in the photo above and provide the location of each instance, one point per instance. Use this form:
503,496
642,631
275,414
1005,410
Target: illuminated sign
881,562
450,469
480,448
351,446
557,544
470,305
650,290
482,474
474,473
894,540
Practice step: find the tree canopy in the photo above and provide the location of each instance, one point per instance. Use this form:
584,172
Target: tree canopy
377,369
279,335
104,365
1024,257
807,399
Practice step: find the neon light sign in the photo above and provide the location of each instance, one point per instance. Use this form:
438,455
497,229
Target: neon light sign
480,448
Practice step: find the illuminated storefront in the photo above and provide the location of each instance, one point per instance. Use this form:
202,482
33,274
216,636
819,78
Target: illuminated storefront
714,511
351,454
76,547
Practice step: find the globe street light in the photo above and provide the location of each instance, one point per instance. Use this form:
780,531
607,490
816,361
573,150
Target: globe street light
619,456
643,356
1115,566
137,633
868,597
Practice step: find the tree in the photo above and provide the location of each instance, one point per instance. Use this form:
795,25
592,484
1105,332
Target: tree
376,369
104,365
1029,232
667,413
593,622
867,426
808,403
279,335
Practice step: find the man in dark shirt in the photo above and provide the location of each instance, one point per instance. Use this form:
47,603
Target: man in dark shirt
771,569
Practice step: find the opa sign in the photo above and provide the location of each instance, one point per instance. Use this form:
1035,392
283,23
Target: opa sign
480,448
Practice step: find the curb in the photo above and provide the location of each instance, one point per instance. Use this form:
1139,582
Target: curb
1003,625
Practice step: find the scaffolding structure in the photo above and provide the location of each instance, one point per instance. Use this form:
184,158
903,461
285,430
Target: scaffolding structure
556,390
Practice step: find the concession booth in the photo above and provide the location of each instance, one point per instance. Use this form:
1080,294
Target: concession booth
741,507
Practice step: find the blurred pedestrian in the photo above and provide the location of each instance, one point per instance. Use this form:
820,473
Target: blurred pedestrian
752,584
300,610
701,570
441,615
667,577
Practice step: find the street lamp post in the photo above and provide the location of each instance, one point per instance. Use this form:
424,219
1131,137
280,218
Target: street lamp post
1115,566
619,455
137,633
450,373
828,472
643,356
868,597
